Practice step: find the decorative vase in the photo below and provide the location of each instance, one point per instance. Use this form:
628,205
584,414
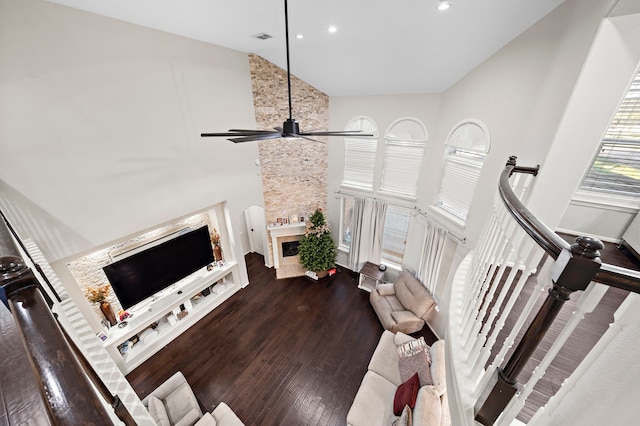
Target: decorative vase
108,313
217,252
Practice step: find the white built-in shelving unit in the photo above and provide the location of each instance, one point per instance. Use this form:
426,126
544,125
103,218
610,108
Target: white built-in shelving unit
221,283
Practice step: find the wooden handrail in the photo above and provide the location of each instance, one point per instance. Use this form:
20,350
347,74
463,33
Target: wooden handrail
69,395
576,266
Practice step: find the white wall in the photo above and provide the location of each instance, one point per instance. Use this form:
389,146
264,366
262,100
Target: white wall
100,126
520,93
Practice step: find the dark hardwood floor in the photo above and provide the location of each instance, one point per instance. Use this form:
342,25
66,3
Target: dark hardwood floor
279,352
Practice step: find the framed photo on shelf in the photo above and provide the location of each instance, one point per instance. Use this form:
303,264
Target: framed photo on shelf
294,219
285,220
301,219
102,336
279,221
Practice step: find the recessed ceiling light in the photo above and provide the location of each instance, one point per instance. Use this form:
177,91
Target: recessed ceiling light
299,36
332,29
444,5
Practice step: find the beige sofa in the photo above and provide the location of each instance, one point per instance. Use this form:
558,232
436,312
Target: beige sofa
373,403
174,403
404,305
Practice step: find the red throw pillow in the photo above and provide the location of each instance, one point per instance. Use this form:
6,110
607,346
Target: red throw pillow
406,394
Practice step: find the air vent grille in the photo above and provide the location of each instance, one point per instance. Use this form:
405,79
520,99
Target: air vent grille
262,36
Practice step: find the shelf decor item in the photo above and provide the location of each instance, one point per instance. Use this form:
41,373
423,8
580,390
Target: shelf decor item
99,295
217,248
317,250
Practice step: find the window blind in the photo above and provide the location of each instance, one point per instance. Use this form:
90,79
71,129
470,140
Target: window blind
402,162
396,227
461,172
360,154
616,168
359,162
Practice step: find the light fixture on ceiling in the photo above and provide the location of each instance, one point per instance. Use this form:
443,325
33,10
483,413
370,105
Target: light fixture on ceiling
290,128
332,29
299,36
443,5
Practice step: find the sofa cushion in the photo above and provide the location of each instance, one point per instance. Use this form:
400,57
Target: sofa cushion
190,418
418,363
384,360
438,368
225,416
405,418
386,289
158,412
406,394
373,403
180,402
428,409
206,420
411,347
407,321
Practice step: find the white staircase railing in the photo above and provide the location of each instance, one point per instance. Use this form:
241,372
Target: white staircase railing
495,294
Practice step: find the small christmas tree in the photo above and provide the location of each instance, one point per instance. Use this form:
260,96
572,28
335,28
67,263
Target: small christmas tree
316,250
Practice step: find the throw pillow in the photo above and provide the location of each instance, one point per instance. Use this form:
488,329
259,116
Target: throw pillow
406,394
412,347
405,419
158,412
417,363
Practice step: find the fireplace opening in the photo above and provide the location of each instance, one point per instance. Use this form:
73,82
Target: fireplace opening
290,248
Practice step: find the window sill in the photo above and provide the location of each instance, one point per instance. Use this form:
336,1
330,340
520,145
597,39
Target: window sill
607,202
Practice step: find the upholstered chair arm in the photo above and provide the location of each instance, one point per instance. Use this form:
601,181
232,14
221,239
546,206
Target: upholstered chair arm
385,289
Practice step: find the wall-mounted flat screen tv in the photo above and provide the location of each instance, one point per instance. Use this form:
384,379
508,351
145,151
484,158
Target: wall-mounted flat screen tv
143,274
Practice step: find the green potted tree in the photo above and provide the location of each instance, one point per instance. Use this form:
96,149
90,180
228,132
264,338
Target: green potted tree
316,250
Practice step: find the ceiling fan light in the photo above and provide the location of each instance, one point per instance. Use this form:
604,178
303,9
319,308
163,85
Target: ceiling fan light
299,36
332,29
444,5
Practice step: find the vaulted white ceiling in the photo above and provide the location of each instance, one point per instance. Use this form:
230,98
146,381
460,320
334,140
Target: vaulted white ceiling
380,47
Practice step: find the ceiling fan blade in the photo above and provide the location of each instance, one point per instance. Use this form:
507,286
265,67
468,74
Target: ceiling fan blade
307,138
337,133
250,131
256,137
238,133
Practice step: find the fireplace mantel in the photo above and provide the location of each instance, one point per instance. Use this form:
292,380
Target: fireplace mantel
278,235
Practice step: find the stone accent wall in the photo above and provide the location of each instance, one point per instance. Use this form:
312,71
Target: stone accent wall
294,171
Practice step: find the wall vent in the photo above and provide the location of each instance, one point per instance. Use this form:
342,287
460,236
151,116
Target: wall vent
262,36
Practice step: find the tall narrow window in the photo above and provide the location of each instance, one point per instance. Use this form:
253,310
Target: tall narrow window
404,148
467,146
360,154
394,238
616,169
346,220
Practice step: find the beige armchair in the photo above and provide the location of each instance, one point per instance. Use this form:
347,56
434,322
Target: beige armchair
174,403
404,305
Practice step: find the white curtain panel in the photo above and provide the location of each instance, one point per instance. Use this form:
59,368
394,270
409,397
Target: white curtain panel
368,224
432,249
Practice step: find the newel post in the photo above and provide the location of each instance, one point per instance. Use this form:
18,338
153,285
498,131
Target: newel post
574,269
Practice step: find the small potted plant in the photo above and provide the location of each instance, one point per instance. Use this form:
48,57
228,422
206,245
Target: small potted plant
317,250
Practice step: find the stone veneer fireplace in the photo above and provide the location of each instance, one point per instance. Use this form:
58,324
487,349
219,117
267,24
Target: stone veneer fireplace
285,262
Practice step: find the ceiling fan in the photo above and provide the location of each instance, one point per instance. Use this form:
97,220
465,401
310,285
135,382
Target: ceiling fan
290,128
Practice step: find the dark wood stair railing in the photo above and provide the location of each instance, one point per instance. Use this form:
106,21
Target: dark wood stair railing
576,266
64,382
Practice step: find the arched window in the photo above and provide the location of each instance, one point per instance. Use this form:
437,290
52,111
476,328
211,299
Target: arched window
404,148
467,145
360,154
